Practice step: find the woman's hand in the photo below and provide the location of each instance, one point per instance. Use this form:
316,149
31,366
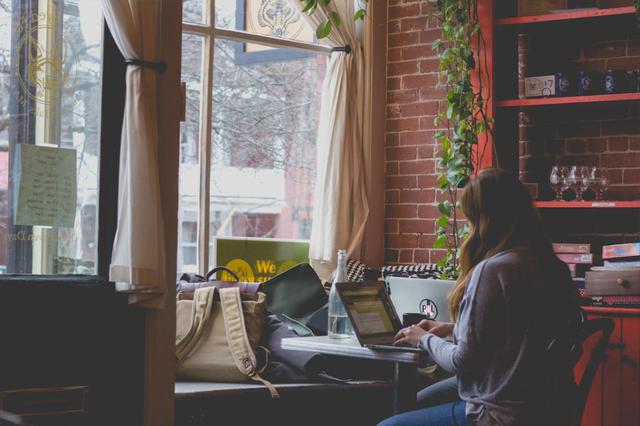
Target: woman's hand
440,329
409,336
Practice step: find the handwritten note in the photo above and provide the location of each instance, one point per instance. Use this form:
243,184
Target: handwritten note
45,186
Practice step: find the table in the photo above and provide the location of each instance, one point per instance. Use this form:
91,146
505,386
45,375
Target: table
405,363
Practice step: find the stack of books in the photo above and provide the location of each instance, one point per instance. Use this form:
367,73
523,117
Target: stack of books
577,256
621,256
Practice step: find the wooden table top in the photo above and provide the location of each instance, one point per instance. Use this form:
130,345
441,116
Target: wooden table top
349,347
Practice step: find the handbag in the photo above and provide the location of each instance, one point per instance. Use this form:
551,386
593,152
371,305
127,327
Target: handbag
189,283
215,339
295,297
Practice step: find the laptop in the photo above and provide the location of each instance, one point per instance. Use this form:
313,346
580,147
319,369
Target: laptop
421,295
372,315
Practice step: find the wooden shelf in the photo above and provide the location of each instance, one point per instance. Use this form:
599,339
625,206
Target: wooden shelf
566,16
587,204
568,100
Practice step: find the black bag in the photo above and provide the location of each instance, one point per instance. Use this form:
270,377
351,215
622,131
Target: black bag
296,297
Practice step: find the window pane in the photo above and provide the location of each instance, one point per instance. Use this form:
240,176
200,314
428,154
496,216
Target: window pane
50,87
194,11
192,47
276,18
265,116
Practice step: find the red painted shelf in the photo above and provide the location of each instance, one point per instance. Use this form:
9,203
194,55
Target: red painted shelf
587,204
567,100
566,16
602,310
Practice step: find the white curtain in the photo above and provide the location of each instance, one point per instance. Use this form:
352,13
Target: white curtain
340,208
137,262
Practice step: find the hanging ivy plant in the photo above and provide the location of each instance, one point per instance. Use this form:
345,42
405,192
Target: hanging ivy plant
463,121
465,118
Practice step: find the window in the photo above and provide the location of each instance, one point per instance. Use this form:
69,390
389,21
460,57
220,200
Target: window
248,154
50,122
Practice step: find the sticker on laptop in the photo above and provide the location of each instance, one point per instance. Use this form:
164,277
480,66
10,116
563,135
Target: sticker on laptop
429,308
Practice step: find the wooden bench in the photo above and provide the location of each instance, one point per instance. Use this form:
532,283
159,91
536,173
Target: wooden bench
227,404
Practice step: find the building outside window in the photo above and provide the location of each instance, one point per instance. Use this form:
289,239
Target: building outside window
50,110
248,154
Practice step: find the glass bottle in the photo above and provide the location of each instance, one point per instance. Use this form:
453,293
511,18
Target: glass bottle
339,323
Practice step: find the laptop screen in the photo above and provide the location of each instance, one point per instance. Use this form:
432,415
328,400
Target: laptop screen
370,309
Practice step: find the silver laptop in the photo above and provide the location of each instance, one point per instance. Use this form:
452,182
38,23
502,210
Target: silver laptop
372,315
421,295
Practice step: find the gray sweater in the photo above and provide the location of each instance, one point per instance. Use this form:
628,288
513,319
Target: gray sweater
511,308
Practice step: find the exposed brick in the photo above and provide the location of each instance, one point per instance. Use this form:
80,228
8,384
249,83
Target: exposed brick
403,96
618,144
415,138
575,147
634,143
419,109
391,168
621,127
400,241
392,196
396,12
630,159
415,167
416,226
416,52
393,27
426,151
631,176
401,211
390,256
605,50
428,181
392,139
429,65
427,240
400,182
391,226
428,212
416,195
421,256
402,68
403,124
403,39
414,24
394,55
394,83
419,81
406,256
401,153
597,145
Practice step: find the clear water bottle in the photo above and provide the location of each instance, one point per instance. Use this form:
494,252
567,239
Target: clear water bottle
339,323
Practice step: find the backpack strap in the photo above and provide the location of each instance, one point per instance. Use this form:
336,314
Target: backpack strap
200,314
243,355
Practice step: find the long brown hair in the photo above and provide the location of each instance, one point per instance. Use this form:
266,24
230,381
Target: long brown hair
501,215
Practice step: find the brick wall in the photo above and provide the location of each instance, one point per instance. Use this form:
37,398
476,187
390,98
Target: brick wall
412,105
606,135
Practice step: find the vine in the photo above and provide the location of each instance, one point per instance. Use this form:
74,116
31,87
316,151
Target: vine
461,51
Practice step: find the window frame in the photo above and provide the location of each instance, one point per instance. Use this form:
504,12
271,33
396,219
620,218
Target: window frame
210,33
113,89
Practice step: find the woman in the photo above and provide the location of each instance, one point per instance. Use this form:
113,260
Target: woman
512,298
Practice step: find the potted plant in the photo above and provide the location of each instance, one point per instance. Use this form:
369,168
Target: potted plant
465,119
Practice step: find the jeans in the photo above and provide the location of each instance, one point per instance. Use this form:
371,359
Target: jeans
441,392
451,414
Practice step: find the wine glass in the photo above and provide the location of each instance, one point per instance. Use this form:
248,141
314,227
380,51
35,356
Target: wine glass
578,180
558,180
599,181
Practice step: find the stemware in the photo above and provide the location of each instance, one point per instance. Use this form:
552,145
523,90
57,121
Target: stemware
578,180
558,180
599,181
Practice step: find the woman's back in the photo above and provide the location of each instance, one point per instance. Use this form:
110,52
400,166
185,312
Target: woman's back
513,306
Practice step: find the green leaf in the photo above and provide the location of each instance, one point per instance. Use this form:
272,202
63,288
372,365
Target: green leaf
324,29
440,242
335,18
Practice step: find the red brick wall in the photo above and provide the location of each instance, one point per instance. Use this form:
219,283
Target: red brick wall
412,105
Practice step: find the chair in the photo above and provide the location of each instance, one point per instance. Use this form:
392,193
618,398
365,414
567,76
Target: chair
564,352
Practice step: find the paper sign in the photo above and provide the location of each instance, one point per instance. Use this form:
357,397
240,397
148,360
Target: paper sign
258,260
45,186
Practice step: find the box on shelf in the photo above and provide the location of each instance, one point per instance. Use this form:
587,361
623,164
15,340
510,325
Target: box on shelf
539,7
576,258
572,248
614,282
630,262
620,250
540,86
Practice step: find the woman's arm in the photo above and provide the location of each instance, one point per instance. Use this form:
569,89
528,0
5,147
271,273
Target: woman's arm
479,323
